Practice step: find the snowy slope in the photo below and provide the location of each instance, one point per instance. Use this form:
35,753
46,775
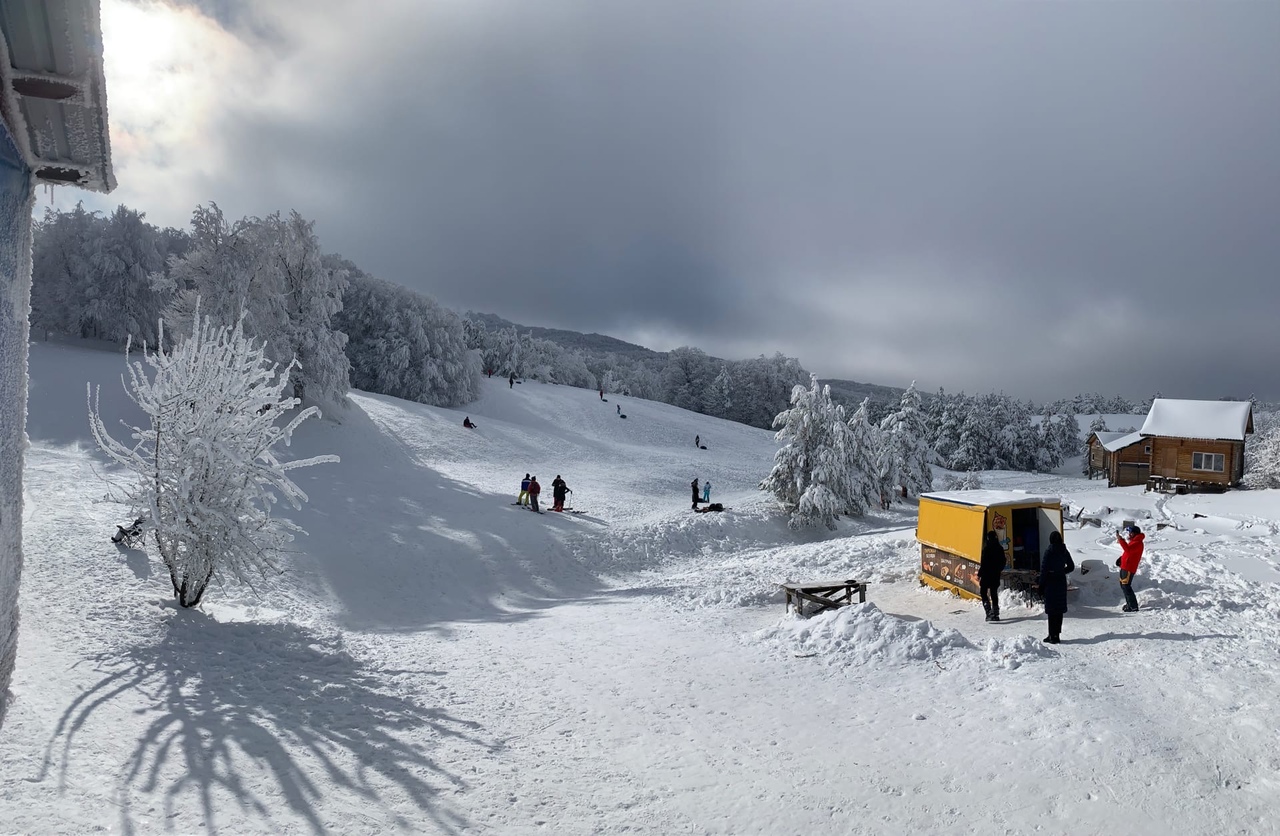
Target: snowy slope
440,660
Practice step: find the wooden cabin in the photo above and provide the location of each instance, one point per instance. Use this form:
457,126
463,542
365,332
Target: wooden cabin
1098,460
1196,445
1124,458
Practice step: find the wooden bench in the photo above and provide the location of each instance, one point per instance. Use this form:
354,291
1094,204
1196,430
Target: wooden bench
827,595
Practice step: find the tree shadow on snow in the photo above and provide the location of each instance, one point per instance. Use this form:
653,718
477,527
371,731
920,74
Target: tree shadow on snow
413,549
248,718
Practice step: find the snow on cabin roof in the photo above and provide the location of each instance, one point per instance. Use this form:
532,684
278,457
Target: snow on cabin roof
1105,438
1120,441
1219,420
54,95
988,499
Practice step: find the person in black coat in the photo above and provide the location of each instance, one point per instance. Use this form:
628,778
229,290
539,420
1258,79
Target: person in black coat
1054,568
993,559
696,498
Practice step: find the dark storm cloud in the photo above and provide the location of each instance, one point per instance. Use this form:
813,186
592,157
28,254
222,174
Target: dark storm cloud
1040,198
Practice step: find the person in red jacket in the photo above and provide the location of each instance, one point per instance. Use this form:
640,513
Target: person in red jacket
1128,563
534,490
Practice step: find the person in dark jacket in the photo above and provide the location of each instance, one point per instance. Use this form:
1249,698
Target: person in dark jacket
1128,563
696,498
1054,568
559,490
993,560
534,490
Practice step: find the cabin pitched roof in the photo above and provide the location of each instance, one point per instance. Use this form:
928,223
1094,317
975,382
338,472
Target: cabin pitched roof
1121,441
1217,420
53,95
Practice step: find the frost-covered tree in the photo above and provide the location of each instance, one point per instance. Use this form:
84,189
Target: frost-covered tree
208,471
310,295
904,431
404,344
268,276
1262,453
812,474
718,400
61,256
686,377
120,302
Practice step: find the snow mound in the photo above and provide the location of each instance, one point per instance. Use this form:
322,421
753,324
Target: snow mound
1011,653
862,634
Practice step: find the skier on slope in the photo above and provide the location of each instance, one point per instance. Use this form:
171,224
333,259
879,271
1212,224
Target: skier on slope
559,490
534,490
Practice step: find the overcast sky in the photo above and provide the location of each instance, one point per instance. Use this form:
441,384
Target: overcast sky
1042,198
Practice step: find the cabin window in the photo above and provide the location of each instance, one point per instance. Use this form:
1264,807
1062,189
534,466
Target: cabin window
1208,461
1147,449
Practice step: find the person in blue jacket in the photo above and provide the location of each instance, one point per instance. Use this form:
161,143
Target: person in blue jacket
1054,568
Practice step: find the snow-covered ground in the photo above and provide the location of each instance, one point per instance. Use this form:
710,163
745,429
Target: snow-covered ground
439,660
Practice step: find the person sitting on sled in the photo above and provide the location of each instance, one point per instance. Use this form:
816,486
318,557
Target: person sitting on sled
466,422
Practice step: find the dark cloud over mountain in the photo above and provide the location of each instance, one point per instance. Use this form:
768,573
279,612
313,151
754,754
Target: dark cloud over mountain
1040,198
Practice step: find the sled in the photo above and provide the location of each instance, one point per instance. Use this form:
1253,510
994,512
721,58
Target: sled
702,446
622,415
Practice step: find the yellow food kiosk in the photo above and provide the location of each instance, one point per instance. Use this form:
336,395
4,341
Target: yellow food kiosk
952,526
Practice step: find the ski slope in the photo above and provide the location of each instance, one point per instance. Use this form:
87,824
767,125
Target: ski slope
439,660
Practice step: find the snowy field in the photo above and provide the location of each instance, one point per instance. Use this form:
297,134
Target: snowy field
438,660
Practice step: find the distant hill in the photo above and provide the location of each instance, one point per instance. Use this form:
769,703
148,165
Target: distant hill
851,392
570,339
848,392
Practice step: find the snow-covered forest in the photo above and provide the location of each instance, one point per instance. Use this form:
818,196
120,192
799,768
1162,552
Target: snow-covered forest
114,277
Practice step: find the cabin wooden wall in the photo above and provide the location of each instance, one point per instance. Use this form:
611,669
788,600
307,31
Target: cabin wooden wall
1097,457
1128,465
1171,458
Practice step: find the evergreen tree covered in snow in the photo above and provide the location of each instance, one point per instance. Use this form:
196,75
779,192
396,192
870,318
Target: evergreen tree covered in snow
905,436
869,469
951,420
976,438
208,473
812,473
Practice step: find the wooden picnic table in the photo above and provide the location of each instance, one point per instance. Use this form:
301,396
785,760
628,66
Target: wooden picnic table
826,595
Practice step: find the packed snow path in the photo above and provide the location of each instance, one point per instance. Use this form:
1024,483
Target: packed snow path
439,660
